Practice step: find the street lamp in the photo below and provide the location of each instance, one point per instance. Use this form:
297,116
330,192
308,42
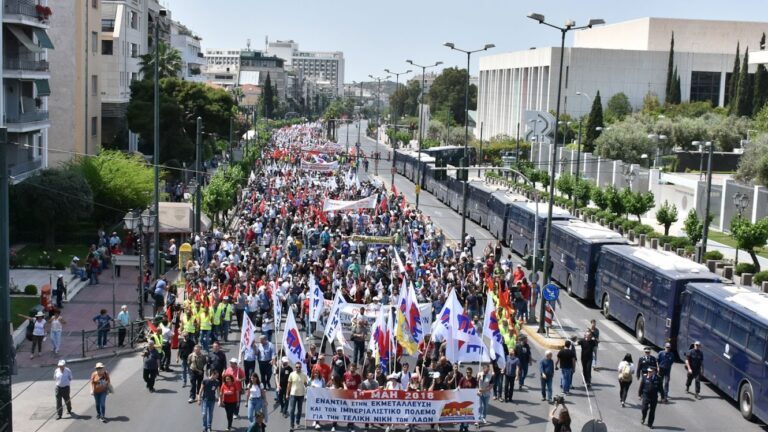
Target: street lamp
465,174
378,119
740,202
422,124
657,138
395,118
645,157
569,25
156,156
578,154
135,221
705,230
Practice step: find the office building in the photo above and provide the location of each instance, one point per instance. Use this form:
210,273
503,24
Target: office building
222,67
316,66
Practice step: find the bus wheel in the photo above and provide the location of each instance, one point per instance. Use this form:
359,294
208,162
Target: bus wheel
569,285
606,306
745,401
640,329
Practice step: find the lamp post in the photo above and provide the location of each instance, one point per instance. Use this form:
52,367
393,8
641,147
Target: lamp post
156,158
578,155
198,167
422,124
395,118
705,229
465,174
657,138
740,202
569,25
378,120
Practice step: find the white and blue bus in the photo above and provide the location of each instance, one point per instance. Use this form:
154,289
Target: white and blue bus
731,323
521,224
641,288
575,247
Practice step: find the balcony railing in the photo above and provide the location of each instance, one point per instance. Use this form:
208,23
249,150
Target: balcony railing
19,168
28,117
22,7
26,64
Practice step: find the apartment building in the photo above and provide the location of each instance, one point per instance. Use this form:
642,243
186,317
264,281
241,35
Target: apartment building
188,45
222,67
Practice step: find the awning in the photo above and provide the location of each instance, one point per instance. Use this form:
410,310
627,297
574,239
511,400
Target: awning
24,39
42,38
43,87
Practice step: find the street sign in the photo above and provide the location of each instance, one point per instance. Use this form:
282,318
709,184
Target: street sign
551,292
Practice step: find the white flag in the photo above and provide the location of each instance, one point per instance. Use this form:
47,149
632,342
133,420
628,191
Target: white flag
316,302
247,333
463,344
334,319
277,306
492,334
293,347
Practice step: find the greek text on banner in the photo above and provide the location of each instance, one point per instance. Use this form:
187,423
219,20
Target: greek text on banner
392,406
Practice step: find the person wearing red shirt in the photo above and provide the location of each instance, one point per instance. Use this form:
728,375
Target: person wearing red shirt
467,382
518,274
238,374
324,369
229,397
352,381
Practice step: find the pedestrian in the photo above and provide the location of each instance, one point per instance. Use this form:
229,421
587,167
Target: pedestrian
267,359
122,322
100,386
257,401
649,391
217,360
566,362
238,374
645,361
352,381
467,382
229,397
207,396
511,372
588,345
626,369
485,382
523,352
282,385
561,418
37,333
57,327
359,336
297,389
103,324
197,362
152,359
666,359
60,291
546,372
596,337
63,377
186,347
694,361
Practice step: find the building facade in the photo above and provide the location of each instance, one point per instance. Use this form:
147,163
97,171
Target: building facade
316,66
188,45
255,66
222,67
629,57
26,84
75,106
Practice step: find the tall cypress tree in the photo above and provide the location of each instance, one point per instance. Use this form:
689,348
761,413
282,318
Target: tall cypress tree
733,83
760,88
670,72
267,96
676,94
595,121
743,100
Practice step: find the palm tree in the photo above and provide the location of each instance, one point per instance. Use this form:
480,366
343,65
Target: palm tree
169,65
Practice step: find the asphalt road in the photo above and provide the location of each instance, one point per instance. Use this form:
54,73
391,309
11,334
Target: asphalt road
132,408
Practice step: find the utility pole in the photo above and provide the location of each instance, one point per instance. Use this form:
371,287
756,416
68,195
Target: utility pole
6,361
422,124
395,118
156,41
198,167
378,121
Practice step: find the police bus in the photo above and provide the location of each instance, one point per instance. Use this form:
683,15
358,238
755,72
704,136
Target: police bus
521,224
641,287
575,246
732,325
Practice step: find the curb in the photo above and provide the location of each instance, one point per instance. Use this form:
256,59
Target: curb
551,343
94,357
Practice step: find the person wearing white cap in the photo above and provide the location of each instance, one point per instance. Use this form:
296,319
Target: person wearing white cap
239,376
38,332
62,375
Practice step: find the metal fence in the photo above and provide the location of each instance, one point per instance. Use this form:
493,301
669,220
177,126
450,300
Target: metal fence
135,333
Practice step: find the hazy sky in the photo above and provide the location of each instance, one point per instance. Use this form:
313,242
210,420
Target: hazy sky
383,34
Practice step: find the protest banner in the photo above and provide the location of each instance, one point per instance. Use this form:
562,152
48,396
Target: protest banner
392,406
338,205
319,166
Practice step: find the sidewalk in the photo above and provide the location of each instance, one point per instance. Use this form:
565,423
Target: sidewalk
78,314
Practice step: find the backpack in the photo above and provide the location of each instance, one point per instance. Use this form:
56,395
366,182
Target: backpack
625,375
472,242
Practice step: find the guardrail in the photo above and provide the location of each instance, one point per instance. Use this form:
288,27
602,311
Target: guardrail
135,333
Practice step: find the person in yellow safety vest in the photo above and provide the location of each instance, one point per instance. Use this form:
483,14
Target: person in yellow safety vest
156,337
224,311
510,337
189,324
216,311
204,321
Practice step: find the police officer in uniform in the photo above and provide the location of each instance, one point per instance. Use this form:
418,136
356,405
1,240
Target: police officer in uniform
646,361
650,390
694,360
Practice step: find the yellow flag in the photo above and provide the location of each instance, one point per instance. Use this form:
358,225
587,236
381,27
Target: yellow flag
403,335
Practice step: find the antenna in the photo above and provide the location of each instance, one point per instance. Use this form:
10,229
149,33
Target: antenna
248,44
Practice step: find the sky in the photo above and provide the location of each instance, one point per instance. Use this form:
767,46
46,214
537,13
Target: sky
381,35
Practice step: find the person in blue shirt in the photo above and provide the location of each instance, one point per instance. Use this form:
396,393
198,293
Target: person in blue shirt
666,359
103,321
547,371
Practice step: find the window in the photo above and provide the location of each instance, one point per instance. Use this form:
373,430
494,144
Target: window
107,25
95,4
134,17
134,50
94,84
738,334
134,76
107,47
94,42
94,126
756,345
705,86
722,323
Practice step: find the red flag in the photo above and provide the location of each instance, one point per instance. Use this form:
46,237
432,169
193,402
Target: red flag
403,203
262,206
151,326
237,292
383,205
283,211
169,314
394,189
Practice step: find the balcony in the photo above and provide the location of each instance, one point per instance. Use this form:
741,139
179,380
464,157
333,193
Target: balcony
25,63
27,117
25,12
22,170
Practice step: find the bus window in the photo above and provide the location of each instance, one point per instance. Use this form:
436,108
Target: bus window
722,323
756,343
738,334
699,313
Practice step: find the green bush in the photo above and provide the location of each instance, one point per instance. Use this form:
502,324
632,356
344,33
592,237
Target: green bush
591,211
58,265
744,268
713,255
643,229
629,224
30,289
760,277
655,235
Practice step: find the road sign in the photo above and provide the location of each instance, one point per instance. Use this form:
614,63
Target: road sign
551,292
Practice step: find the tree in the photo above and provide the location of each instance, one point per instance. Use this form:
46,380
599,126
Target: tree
651,105
675,96
744,97
55,198
268,97
583,191
220,194
753,165
693,227
169,64
670,74
732,83
618,107
118,181
666,215
566,184
447,93
626,141
760,88
599,198
638,203
615,201
595,121
748,236
404,101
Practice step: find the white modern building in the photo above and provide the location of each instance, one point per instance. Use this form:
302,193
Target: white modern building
629,57
222,67
316,66
188,45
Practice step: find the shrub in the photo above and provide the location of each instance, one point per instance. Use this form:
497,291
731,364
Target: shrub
744,268
760,277
643,229
713,255
591,211
58,265
655,235
629,224
30,289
